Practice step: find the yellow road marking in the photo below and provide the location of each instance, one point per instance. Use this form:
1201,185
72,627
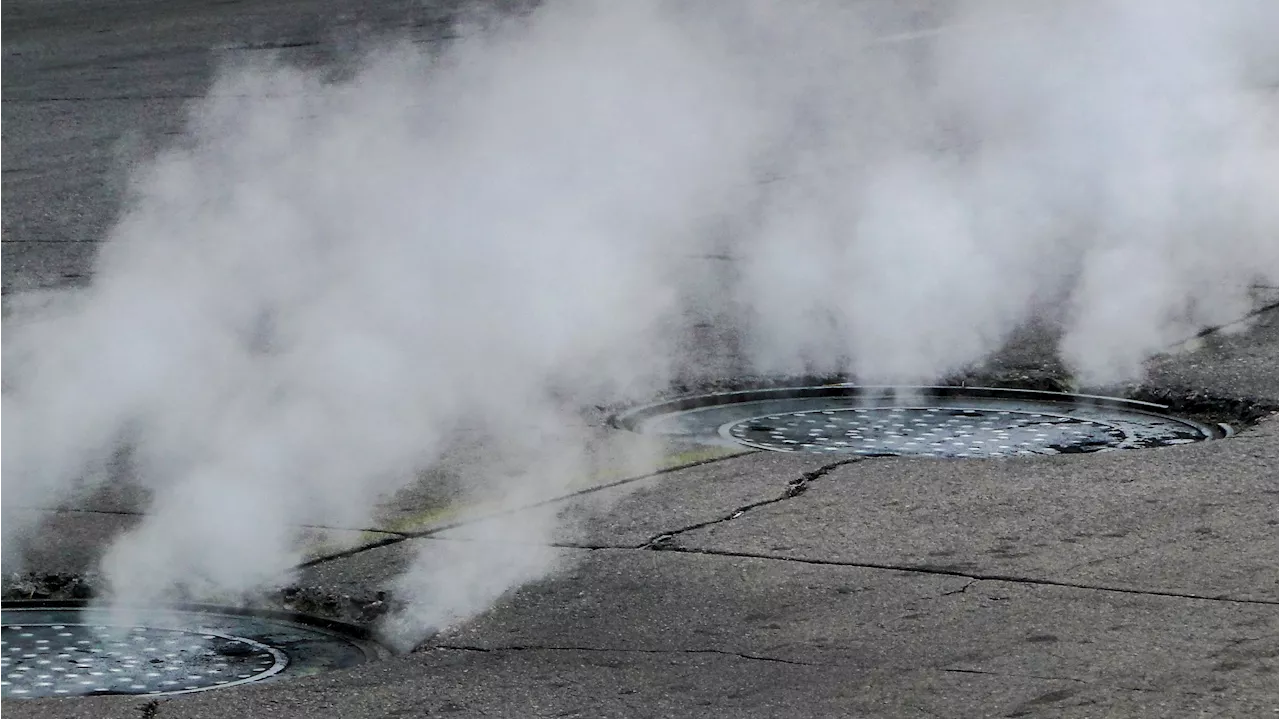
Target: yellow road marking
438,516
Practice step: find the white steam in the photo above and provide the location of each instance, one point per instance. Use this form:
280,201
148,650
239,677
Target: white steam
1114,158
304,303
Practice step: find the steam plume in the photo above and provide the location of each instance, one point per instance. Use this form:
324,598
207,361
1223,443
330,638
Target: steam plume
330,282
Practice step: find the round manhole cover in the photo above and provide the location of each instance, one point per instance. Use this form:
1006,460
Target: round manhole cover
73,651
917,421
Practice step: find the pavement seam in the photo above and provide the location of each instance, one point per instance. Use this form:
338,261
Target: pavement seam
540,648
794,488
394,539
430,533
571,495
938,571
1214,329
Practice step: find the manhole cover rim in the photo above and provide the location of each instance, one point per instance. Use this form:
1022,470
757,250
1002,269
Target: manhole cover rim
327,641
633,418
1123,419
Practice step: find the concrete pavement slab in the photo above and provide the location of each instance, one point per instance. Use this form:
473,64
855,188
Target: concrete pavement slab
1197,519
95,707
657,633
1238,362
65,168
38,265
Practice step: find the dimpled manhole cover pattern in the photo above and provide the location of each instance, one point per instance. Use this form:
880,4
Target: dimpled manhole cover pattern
918,421
58,659
73,651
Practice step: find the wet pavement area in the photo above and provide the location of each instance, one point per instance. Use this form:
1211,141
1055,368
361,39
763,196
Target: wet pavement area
732,582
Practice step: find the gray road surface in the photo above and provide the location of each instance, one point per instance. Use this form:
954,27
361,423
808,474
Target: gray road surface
1109,585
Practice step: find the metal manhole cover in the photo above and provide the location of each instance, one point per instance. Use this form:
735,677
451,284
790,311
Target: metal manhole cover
918,421
73,651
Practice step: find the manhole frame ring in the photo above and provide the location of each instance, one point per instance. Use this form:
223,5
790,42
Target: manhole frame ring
359,637
635,418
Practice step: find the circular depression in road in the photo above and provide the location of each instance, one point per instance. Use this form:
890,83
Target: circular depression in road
953,422
76,651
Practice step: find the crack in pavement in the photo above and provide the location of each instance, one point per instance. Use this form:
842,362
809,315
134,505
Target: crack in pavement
794,488
961,590
604,650
1104,684
1016,676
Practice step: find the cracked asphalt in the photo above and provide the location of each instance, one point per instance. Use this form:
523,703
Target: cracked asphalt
752,584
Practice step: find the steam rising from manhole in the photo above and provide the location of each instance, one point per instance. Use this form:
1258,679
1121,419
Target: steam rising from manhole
74,651
918,421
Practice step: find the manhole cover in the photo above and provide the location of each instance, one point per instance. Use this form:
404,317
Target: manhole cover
917,421
72,651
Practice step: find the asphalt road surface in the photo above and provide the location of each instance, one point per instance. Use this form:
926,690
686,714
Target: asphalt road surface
1127,584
